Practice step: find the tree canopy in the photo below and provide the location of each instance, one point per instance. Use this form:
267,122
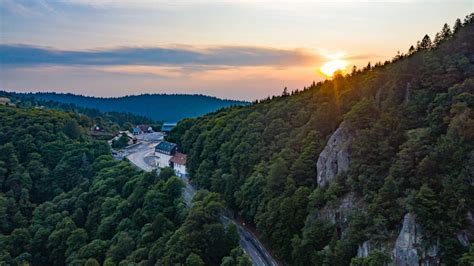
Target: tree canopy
412,119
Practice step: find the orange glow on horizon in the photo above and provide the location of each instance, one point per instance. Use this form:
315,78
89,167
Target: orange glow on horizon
330,67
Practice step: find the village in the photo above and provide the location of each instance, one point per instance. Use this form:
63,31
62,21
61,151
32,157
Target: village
149,149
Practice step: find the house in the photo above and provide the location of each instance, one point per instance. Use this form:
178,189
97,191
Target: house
140,129
168,156
178,162
136,131
164,151
166,127
145,128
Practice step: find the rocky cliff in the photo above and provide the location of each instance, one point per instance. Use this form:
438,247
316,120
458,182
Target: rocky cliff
405,251
334,159
408,248
340,212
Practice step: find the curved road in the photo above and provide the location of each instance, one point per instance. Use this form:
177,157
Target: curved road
248,241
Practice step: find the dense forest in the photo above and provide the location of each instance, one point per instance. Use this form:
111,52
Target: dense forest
411,122
64,200
159,107
106,121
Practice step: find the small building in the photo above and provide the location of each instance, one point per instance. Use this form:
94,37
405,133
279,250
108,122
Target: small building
178,162
164,151
136,131
166,127
145,128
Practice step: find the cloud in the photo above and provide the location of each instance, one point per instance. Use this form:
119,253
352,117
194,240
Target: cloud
160,71
26,9
363,57
25,55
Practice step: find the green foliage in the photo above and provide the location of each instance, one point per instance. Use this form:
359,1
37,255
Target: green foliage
201,234
91,262
411,120
236,258
63,200
88,117
376,258
121,142
194,260
72,129
136,109
363,114
467,258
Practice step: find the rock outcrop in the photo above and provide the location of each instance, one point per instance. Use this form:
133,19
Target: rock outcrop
408,249
364,250
464,236
405,252
334,159
339,213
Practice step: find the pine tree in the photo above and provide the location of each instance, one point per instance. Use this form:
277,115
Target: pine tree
425,43
446,32
457,25
354,70
437,40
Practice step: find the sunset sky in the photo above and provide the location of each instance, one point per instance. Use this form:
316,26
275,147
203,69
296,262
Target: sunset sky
229,49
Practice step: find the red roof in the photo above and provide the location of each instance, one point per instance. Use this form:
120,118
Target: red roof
179,158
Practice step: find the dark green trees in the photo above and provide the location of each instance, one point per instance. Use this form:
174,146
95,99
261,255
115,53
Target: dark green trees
412,124
202,235
63,200
121,142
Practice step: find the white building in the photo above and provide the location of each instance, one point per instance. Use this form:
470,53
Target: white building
167,156
178,161
164,151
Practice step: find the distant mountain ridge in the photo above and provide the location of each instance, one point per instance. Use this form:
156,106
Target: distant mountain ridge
160,107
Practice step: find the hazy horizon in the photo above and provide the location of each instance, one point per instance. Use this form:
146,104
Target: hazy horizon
239,50
122,96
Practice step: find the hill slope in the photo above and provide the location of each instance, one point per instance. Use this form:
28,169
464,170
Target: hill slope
65,201
160,107
323,192
108,121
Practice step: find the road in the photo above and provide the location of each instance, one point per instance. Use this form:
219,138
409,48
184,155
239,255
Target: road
139,154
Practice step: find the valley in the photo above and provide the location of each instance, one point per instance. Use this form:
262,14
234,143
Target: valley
137,154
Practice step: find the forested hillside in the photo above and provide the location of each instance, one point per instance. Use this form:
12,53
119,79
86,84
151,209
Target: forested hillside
109,122
63,200
160,107
408,134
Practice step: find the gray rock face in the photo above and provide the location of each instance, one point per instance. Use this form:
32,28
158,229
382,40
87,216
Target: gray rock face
364,250
405,252
334,159
465,235
408,249
339,213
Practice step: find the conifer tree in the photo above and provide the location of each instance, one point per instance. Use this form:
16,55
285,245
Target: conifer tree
457,25
425,43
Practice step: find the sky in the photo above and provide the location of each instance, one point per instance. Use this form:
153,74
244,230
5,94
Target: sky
239,49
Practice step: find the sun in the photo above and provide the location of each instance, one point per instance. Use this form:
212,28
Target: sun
330,67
